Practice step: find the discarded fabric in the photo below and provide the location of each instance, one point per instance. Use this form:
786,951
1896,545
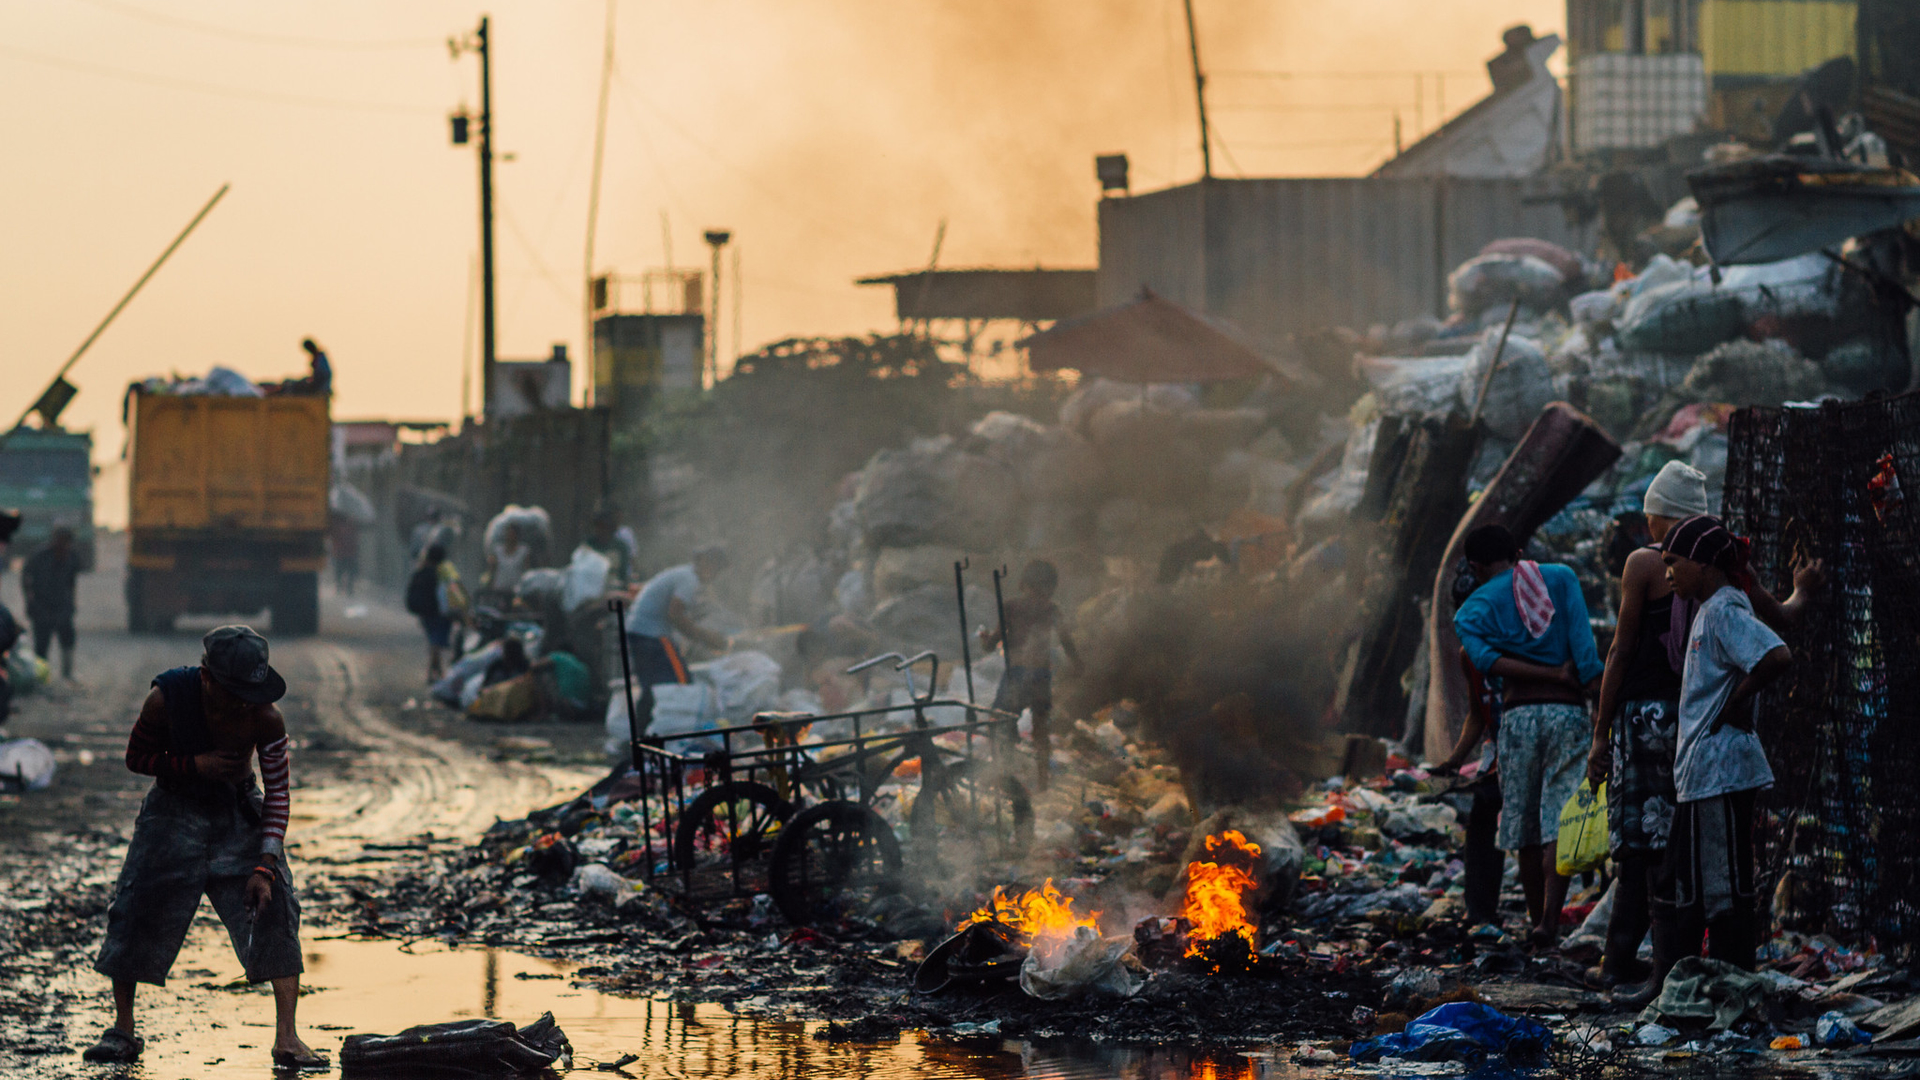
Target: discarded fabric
1459,1031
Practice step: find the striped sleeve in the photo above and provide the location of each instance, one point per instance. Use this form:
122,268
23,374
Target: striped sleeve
275,777
150,748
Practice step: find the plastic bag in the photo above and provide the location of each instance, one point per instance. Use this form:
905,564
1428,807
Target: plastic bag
25,765
1060,968
1486,281
678,709
1459,1031
586,578
1583,831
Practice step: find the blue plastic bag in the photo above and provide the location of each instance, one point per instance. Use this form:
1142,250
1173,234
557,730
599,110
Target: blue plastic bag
1459,1031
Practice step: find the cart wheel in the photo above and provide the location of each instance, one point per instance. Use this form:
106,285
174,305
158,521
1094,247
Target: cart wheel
718,813
974,803
830,858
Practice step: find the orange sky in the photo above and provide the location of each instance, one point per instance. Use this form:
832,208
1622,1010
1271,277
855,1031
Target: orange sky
832,136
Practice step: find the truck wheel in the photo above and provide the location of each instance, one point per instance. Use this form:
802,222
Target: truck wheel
143,615
296,607
136,609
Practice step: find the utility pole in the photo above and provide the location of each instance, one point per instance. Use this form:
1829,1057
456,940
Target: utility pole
716,239
593,198
488,352
480,43
1200,96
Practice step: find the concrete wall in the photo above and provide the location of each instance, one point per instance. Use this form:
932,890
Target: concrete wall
1279,257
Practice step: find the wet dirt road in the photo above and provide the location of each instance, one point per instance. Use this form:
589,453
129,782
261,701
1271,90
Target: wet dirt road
379,781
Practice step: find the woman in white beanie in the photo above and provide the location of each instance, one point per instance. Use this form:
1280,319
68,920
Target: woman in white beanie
1634,731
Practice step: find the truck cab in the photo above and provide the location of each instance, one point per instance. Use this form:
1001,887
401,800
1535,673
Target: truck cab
47,475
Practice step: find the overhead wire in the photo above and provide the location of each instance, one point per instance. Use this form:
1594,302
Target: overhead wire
267,96
258,38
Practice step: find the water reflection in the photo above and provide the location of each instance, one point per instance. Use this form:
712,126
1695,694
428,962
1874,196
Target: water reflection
206,1027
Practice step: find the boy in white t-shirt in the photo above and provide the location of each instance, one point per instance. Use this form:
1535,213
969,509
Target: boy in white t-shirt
1719,765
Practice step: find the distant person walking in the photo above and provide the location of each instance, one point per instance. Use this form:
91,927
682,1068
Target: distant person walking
665,604
436,597
1526,625
343,540
48,580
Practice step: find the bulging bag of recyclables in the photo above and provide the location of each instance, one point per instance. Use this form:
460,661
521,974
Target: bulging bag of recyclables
1486,281
460,1049
1583,831
532,521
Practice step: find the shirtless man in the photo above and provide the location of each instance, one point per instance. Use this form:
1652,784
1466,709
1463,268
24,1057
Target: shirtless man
1032,621
206,829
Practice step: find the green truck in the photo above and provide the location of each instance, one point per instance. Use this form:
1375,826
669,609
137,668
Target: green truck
47,475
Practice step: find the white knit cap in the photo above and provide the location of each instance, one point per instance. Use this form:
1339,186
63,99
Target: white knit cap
1680,491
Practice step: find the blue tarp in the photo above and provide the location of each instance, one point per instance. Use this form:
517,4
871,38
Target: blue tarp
1459,1031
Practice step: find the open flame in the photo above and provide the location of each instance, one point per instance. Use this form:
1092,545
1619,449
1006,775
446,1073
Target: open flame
1044,912
1217,889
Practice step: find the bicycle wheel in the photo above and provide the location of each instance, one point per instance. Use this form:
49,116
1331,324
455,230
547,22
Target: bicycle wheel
973,803
831,860
738,820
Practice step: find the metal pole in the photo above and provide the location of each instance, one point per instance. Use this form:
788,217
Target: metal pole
713,325
487,344
124,301
1000,603
966,647
593,201
1486,378
1200,96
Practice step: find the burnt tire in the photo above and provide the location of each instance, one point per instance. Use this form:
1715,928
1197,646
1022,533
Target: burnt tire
830,859
716,813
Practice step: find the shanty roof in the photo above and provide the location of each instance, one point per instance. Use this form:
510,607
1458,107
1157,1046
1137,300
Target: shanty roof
1154,340
1031,295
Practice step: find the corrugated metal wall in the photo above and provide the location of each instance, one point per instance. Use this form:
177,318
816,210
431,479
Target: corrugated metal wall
1284,256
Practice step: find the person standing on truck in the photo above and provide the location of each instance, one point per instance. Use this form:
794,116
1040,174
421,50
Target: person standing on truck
48,580
320,381
206,829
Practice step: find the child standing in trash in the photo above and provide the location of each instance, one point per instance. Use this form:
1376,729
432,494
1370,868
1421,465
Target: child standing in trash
206,829
1032,621
1719,766
1635,727
1526,625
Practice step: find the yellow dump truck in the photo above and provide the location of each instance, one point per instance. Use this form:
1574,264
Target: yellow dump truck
227,507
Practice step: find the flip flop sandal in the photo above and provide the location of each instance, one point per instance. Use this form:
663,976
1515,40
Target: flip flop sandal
116,1046
287,1059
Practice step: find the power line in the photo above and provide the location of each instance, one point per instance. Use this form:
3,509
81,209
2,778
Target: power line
212,89
1254,73
1259,106
254,37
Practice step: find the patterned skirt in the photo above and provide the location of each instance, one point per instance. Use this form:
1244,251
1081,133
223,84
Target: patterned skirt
1640,795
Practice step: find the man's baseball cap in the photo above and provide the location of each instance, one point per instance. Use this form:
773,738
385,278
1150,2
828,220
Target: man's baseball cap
236,658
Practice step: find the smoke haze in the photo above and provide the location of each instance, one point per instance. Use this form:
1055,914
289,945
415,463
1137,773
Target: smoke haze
832,136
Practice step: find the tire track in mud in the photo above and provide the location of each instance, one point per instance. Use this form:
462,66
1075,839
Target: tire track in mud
401,785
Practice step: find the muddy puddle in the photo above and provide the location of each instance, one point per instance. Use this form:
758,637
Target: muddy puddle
206,1025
